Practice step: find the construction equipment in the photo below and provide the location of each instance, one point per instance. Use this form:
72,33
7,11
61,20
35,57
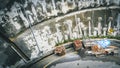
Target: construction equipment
60,50
77,44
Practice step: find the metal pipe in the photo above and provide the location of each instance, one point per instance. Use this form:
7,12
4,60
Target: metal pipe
31,28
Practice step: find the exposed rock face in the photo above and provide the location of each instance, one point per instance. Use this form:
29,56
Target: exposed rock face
16,20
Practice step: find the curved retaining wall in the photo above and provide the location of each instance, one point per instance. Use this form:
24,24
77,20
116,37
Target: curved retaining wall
90,22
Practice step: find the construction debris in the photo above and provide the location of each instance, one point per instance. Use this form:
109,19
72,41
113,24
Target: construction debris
98,51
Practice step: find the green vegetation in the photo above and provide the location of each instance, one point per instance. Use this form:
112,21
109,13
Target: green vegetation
109,37
92,37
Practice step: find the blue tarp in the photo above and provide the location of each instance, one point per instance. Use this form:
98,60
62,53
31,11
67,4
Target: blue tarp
103,43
